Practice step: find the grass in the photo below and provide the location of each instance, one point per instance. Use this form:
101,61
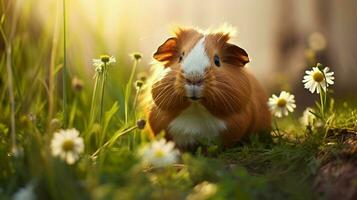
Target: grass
64,69
110,168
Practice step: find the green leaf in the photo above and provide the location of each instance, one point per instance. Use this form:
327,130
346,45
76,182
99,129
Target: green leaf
316,114
332,105
109,115
318,105
119,133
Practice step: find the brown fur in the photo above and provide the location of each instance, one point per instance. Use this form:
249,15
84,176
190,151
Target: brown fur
230,92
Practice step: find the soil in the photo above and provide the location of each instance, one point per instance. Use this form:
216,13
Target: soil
337,176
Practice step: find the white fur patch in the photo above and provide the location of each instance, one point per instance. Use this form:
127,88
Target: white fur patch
197,60
161,73
195,123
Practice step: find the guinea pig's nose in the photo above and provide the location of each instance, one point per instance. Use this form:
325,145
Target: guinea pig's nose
194,81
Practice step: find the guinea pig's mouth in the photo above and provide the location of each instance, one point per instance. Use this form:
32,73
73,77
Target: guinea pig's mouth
194,98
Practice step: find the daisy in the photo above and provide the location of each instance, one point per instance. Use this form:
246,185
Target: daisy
307,117
103,60
317,79
282,105
159,153
67,145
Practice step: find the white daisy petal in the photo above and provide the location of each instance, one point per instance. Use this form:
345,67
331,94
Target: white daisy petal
67,145
282,105
100,63
314,87
308,72
330,81
329,74
159,153
316,78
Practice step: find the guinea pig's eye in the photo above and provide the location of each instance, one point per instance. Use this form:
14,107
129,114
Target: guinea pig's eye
217,62
181,57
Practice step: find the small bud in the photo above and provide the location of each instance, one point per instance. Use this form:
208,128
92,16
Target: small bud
139,84
104,58
141,124
136,56
55,124
77,84
142,76
320,66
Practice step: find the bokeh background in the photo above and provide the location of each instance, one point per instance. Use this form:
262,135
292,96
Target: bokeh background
282,37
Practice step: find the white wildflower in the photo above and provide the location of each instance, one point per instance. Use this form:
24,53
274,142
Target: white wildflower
159,153
67,145
317,79
102,61
282,105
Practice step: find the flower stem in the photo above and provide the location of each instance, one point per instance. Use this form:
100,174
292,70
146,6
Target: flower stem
73,111
104,77
92,108
136,101
64,71
113,139
133,72
322,102
128,90
276,127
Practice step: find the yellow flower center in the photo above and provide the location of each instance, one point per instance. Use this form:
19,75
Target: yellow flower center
281,102
159,153
318,76
68,145
104,58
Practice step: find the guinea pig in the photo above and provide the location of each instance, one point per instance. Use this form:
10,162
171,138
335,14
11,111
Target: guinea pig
202,91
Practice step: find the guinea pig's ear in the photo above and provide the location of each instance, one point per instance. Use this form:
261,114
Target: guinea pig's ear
167,52
234,55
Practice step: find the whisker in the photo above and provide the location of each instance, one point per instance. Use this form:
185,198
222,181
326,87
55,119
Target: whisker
224,100
163,92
